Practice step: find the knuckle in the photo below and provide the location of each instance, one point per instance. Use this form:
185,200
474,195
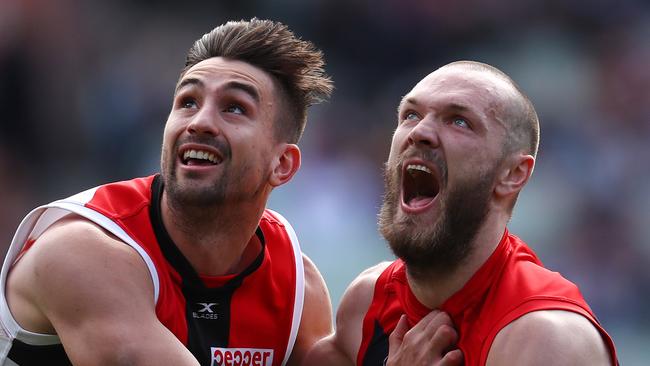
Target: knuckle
447,332
408,337
444,318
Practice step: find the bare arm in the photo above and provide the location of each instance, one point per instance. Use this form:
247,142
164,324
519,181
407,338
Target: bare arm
551,337
316,321
96,293
341,347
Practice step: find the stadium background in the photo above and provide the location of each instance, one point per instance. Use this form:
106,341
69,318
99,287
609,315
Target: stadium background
85,88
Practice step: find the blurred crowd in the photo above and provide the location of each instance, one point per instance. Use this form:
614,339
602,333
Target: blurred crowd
86,86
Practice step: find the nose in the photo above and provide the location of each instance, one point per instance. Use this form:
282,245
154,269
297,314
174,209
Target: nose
204,121
424,133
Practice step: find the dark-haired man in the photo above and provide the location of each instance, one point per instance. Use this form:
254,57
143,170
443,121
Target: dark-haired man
464,147
187,265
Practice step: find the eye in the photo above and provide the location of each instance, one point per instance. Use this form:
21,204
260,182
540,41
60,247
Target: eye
236,109
460,122
410,116
188,103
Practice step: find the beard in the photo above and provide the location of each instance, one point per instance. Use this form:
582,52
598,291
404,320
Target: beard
438,247
197,194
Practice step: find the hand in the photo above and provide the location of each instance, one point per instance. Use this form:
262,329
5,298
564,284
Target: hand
430,342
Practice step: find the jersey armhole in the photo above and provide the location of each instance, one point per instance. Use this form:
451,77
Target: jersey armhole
32,226
372,314
299,296
543,304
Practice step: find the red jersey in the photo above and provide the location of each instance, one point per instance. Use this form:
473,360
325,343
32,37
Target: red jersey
249,319
511,283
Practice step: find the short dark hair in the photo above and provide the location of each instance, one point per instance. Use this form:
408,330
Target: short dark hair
523,131
295,64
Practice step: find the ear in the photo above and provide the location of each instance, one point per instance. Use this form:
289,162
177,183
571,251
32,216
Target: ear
286,165
515,175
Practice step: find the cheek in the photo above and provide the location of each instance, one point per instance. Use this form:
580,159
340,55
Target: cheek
399,137
397,146
168,141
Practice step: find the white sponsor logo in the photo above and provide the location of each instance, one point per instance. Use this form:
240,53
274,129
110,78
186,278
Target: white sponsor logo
207,306
206,311
241,356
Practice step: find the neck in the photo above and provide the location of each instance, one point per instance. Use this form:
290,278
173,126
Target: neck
215,240
433,289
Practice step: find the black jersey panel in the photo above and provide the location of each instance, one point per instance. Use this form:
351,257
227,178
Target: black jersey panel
378,348
25,354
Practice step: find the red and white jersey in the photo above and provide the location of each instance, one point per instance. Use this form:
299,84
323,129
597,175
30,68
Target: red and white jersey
248,319
511,283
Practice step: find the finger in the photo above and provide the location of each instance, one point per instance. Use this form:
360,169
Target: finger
441,318
397,336
424,322
444,339
452,358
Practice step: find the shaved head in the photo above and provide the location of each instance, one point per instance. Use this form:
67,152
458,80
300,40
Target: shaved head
522,123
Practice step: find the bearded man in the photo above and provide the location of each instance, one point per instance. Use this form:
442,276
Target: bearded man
463,286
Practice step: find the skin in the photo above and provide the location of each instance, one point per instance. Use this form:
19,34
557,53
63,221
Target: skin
424,344
458,113
105,325
471,140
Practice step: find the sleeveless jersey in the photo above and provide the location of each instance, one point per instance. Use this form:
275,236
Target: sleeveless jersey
511,283
249,319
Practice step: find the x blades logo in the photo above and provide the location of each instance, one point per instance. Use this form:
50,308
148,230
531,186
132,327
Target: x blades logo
206,311
206,306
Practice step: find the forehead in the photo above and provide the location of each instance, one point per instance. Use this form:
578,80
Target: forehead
218,69
476,90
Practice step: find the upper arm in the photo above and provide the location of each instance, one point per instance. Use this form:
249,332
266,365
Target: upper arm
341,347
550,337
97,294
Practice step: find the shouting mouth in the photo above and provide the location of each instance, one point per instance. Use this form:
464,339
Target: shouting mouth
420,186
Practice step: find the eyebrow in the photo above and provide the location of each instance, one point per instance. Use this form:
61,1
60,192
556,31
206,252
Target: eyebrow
405,101
246,88
459,107
455,107
188,81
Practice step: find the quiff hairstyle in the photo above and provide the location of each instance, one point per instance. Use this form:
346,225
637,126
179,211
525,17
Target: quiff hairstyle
519,115
295,65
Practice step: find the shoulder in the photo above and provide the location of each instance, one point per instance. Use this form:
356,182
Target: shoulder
359,293
80,242
353,308
71,269
75,258
549,337
341,347
316,293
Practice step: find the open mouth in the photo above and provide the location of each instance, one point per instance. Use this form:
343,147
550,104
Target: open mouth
420,186
195,157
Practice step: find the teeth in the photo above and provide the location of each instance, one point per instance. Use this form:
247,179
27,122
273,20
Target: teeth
197,154
418,167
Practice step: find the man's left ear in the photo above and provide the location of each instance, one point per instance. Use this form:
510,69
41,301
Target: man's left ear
285,165
515,175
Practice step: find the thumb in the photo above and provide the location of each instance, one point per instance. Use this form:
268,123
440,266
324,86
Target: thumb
397,336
